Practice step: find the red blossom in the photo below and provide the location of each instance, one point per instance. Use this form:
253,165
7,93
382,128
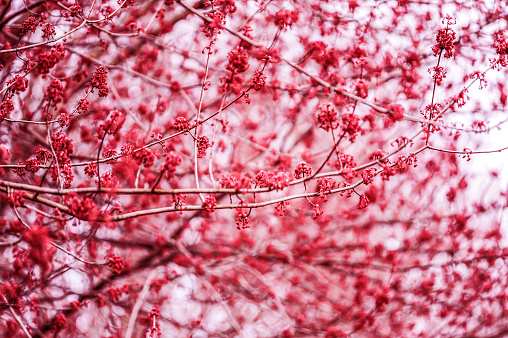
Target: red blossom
437,73
63,147
350,124
480,76
396,112
327,118
108,153
99,78
112,125
238,61
28,26
259,80
345,160
17,84
59,323
83,208
273,180
285,18
444,39
54,92
364,202
210,203
17,198
41,252
91,169
115,263
202,144
153,326
229,182
360,88
47,60
144,157
181,123
242,221
303,170
5,108
48,30
76,10
32,165
43,155
213,28
368,175
81,106
281,208
173,159
325,186
317,211
462,97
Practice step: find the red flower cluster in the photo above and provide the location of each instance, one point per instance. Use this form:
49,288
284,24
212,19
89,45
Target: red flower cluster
181,123
237,60
273,180
232,83
173,159
202,143
345,160
48,30
317,211
500,43
242,221
364,202
438,74
214,27
378,155
98,81
153,330
351,125
431,111
116,263
327,118
444,41
285,18
43,155
144,157
395,113
81,106
17,84
60,323
76,10
231,182
91,169
325,186
5,108
259,80
47,60
63,147
360,88
54,92
17,198
368,175
112,125
114,293
210,203
83,208
29,26
41,252
303,170
281,208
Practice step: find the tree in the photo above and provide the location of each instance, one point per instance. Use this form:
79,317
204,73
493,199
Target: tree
252,168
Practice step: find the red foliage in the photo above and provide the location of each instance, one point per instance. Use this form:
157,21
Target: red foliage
250,168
